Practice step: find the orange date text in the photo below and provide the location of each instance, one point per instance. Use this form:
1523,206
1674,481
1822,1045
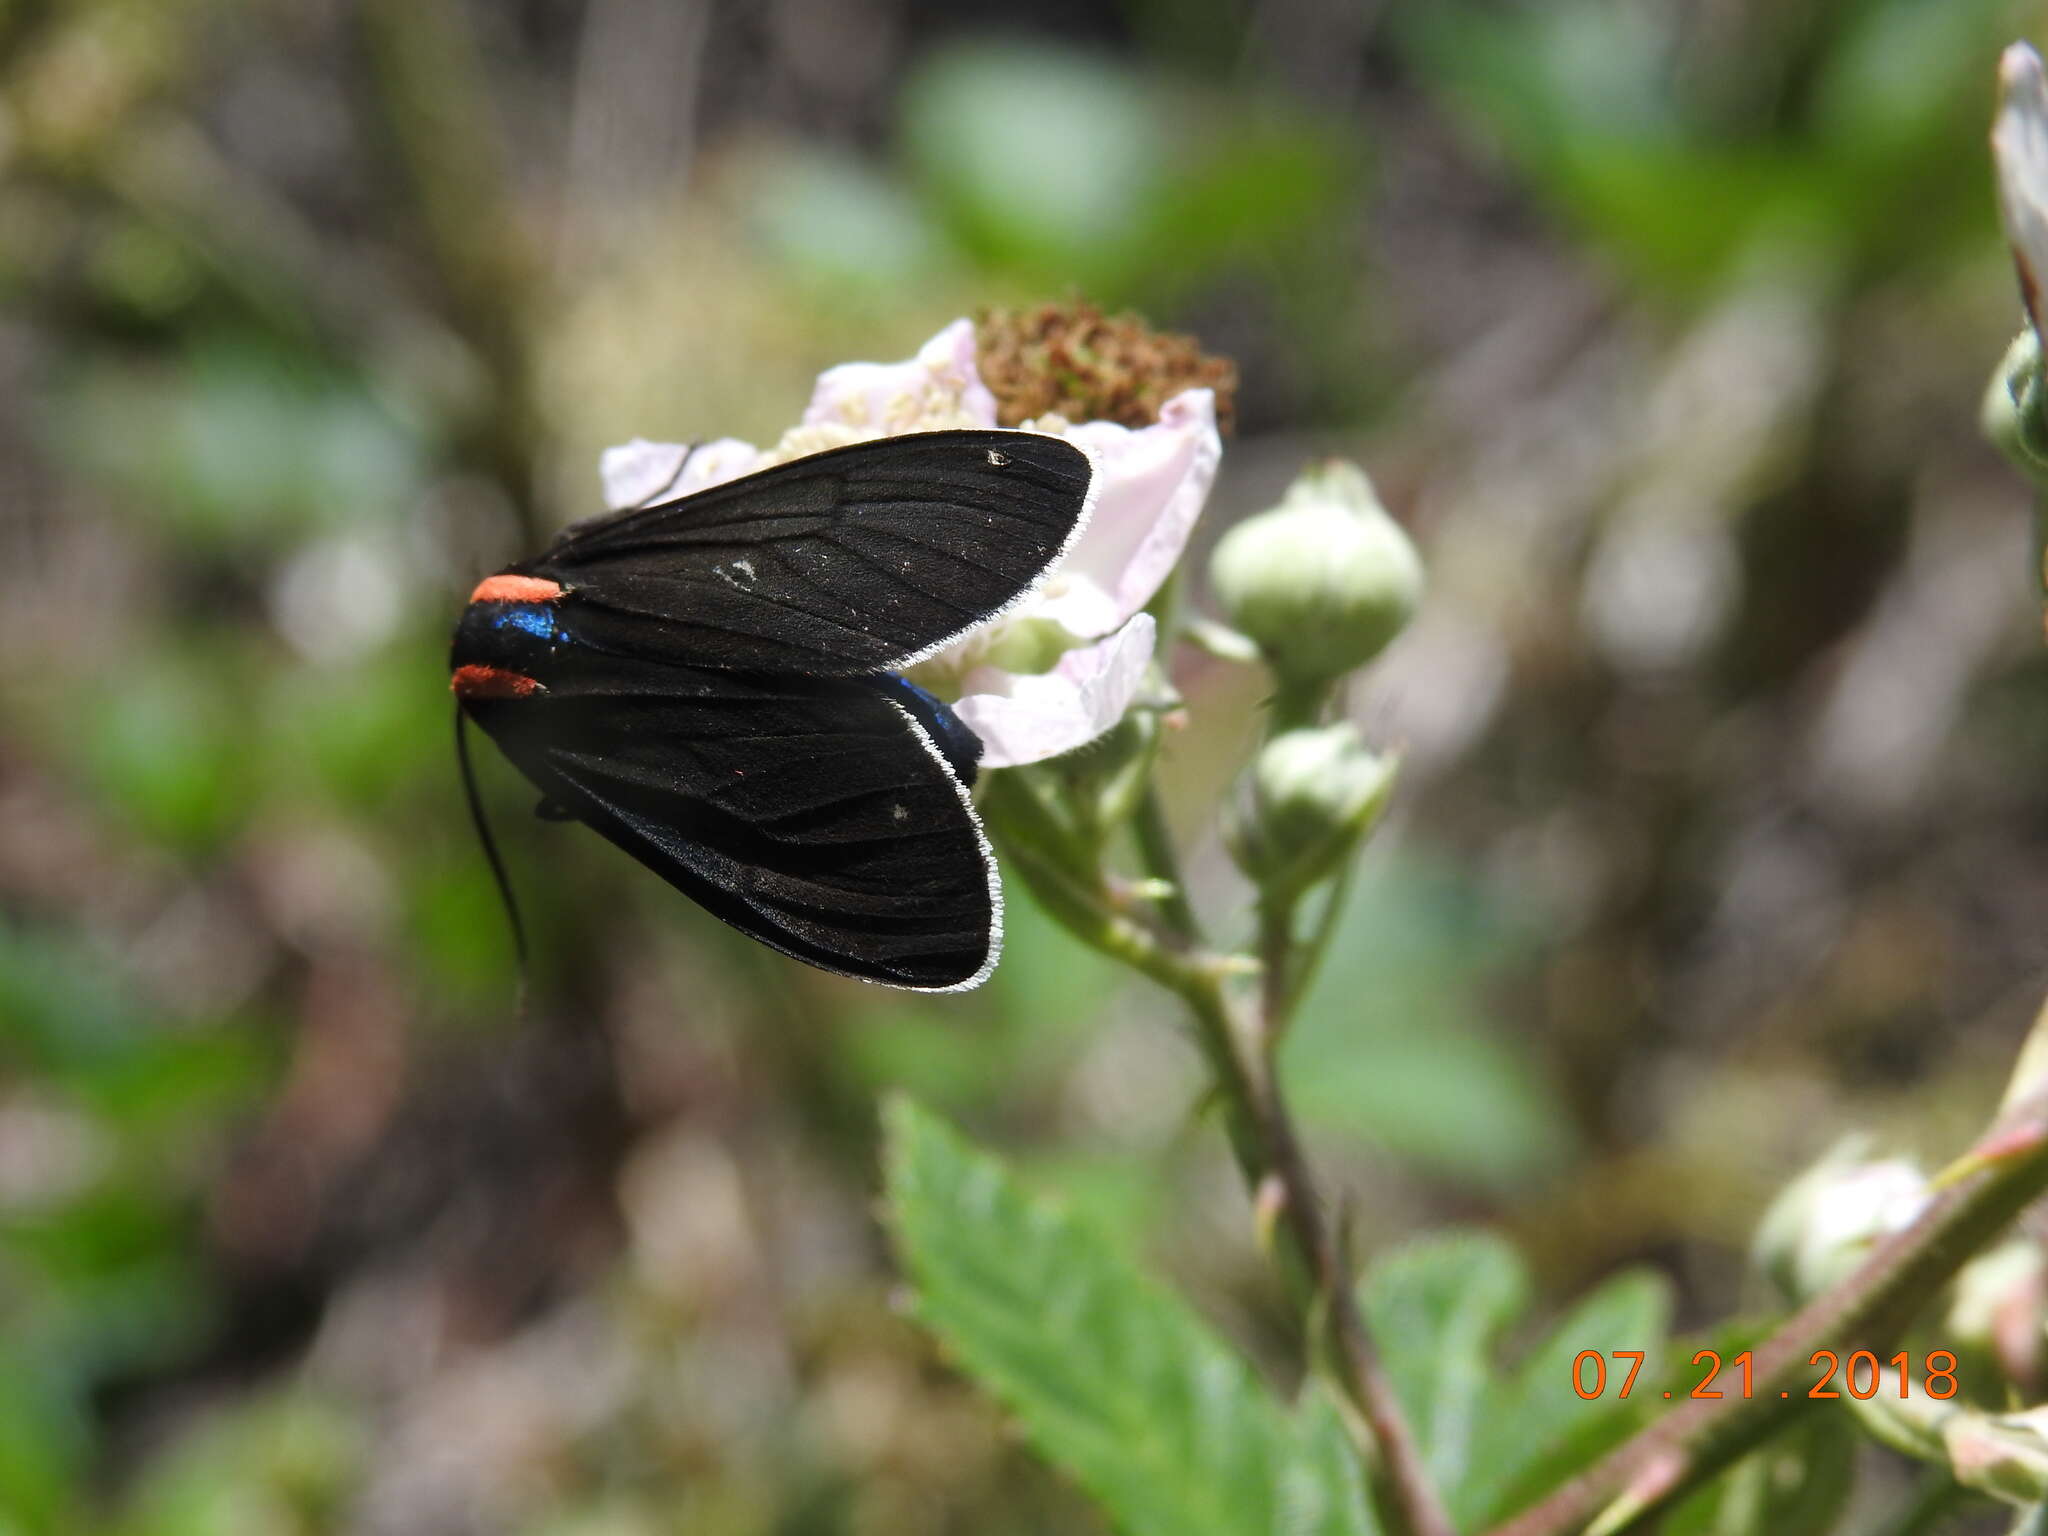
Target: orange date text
1860,1374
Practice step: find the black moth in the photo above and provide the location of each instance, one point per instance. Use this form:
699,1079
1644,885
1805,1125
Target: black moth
714,685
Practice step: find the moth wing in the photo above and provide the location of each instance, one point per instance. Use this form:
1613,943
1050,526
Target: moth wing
861,559
815,815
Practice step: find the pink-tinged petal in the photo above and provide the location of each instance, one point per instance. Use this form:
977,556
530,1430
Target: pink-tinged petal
2019,146
940,387
636,473
1027,718
1155,480
715,462
644,474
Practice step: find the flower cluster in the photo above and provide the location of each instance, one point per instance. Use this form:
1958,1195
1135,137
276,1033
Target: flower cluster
1060,669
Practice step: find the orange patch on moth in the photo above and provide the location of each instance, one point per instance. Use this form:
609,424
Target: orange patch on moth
477,682
508,588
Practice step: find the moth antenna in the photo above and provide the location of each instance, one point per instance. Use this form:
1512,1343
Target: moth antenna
689,453
490,844
657,498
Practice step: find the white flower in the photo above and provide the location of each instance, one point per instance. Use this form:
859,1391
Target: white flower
1062,667
2019,146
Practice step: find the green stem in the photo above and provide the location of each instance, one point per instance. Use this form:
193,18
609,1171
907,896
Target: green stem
1413,1505
1086,914
1296,705
1239,1048
1017,798
1869,1310
1161,861
1167,612
1277,967
1086,911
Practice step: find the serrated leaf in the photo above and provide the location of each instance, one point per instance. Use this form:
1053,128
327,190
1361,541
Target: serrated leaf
1538,1430
1436,1308
1112,1375
1496,1437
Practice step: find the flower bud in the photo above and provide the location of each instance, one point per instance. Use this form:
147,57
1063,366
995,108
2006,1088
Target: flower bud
1827,1221
2002,1454
1314,793
2000,1310
1323,581
2011,414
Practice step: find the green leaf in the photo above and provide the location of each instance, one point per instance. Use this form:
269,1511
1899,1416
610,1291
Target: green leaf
1496,1437
1687,173
1037,157
163,745
246,445
1436,1308
879,233
1797,1485
1538,1430
1066,168
1113,1376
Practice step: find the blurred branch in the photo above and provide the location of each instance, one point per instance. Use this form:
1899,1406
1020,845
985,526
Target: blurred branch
433,90
632,120
2006,1171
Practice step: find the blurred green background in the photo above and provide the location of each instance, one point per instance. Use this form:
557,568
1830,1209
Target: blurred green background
1661,324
